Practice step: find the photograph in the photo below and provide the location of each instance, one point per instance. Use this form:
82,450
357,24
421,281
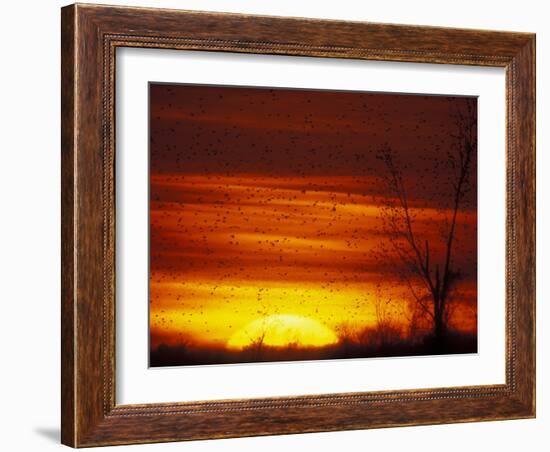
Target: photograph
294,224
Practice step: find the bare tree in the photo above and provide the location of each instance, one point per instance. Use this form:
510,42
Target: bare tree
264,310
347,333
429,278
256,345
387,311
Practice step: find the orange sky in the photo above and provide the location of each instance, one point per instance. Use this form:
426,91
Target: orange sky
232,249
233,239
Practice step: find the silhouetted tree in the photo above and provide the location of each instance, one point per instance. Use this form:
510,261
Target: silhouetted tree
387,311
429,278
256,345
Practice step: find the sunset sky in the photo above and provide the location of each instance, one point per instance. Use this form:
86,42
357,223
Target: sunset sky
266,202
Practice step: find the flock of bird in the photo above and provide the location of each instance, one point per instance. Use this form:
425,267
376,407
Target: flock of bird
266,201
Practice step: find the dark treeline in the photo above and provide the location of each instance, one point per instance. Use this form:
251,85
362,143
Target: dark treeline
193,354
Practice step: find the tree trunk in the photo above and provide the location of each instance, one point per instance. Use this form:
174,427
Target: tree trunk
439,326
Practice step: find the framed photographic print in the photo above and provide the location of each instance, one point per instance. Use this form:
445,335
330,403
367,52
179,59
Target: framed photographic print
281,225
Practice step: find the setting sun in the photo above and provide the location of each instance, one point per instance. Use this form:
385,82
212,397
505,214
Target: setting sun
281,331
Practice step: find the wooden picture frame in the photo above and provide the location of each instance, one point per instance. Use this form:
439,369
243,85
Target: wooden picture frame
90,36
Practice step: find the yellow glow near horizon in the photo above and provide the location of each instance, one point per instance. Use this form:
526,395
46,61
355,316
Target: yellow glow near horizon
208,314
282,330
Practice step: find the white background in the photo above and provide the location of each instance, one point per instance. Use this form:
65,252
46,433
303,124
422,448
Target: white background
138,384
29,228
